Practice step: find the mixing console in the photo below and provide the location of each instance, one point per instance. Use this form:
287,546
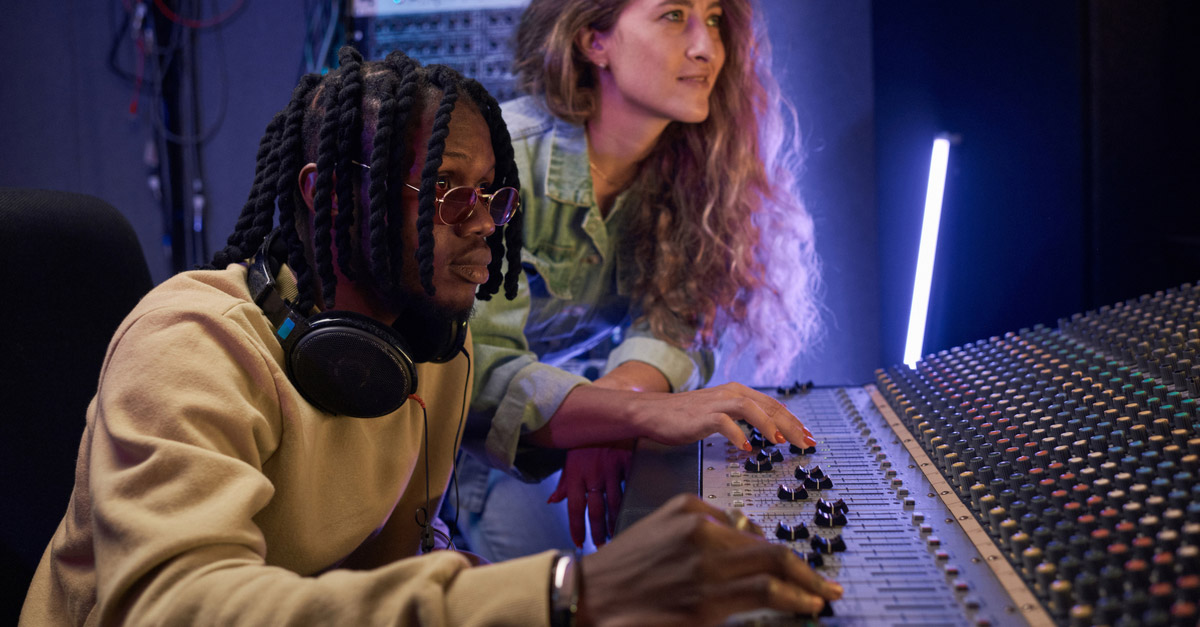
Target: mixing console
1045,477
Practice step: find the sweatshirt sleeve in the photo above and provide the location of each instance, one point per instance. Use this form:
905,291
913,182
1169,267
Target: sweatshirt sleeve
187,416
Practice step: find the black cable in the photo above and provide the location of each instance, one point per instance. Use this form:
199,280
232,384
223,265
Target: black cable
426,525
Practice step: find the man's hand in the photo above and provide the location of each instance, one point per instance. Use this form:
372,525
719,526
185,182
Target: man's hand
591,482
686,564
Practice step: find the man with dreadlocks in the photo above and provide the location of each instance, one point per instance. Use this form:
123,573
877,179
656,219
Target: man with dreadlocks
244,460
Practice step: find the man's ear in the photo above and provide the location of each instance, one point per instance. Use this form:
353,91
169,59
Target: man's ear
307,181
593,45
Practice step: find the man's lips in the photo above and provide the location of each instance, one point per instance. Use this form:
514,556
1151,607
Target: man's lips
474,257
472,266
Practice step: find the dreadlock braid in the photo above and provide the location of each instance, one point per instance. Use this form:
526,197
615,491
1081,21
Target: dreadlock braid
349,132
440,76
406,102
377,190
323,192
291,159
506,175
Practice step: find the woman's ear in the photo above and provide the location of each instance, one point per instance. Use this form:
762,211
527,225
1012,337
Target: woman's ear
307,181
593,45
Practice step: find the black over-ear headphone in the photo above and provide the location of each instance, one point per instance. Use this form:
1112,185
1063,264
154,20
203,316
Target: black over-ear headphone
343,362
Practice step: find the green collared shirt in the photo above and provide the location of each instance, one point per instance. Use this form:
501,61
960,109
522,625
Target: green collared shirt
574,294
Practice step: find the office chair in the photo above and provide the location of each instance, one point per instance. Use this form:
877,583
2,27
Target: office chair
71,268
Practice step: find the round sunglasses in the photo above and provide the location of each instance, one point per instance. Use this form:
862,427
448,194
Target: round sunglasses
456,205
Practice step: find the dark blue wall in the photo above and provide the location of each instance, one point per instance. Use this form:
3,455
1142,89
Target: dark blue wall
1005,79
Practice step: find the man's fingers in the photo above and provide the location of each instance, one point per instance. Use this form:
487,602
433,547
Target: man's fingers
778,561
763,591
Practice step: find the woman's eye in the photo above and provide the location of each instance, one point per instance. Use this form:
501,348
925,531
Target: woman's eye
673,16
715,20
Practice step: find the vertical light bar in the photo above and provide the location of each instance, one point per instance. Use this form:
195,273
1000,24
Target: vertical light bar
925,254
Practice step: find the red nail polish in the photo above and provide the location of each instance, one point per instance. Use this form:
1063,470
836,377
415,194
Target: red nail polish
779,439
746,446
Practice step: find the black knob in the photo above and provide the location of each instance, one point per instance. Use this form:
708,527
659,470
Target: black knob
771,454
801,473
796,450
788,493
757,465
820,545
837,544
784,531
829,519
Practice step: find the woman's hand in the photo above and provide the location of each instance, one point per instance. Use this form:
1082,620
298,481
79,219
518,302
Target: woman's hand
631,402
592,482
686,417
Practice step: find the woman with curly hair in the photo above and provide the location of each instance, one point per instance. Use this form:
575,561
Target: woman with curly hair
662,221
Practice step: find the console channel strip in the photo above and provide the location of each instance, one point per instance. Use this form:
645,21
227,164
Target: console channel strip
863,511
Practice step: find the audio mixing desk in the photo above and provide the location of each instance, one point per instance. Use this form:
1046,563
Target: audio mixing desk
1046,477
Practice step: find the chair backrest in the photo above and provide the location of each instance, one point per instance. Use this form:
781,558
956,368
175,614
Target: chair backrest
71,268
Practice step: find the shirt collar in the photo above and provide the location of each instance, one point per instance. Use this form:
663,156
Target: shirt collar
568,179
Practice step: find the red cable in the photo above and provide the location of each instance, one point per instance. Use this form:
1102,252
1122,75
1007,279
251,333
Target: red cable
141,67
191,23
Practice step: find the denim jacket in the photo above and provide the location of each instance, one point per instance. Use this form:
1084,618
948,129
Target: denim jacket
574,295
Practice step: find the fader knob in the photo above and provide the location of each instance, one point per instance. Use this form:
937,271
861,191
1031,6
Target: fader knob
837,544
757,465
772,454
829,519
788,493
796,450
784,531
820,545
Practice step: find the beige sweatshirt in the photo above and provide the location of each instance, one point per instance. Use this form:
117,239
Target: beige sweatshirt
208,492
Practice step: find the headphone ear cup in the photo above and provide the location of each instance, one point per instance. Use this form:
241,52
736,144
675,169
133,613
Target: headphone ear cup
349,364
